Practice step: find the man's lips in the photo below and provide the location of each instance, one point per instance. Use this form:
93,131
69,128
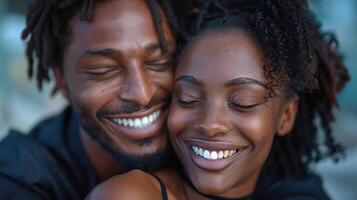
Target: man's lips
139,125
141,122
139,114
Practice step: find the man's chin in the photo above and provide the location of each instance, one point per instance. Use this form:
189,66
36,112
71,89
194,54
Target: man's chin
146,161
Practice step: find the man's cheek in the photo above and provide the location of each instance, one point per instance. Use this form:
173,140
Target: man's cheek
83,100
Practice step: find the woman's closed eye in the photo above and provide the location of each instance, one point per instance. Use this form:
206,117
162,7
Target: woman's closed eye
242,108
245,104
246,100
187,101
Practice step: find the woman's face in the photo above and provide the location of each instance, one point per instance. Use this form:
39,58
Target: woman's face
221,124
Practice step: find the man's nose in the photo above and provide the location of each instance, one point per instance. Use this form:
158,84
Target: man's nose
213,123
138,87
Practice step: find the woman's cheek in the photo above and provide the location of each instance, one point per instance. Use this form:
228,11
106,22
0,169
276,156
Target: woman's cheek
256,128
178,119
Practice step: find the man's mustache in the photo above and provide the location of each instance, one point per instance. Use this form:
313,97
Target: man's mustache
130,107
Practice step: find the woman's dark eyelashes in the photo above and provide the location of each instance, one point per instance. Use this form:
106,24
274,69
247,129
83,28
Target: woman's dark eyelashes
245,108
246,101
239,107
187,103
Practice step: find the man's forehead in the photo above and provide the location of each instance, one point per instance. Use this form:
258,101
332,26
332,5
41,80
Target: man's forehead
119,25
128,14
137,30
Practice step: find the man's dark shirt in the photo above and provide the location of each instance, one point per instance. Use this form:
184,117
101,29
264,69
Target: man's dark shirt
49,163
307,188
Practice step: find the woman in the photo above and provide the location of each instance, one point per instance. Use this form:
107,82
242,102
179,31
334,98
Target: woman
248,88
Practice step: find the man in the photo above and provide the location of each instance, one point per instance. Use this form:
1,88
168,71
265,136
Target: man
112,61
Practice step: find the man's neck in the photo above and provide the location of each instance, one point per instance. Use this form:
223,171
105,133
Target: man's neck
102,162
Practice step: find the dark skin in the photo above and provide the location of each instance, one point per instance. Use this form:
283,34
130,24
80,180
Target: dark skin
219,103
114,69
223,108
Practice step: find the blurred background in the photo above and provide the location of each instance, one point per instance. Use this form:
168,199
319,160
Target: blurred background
22,105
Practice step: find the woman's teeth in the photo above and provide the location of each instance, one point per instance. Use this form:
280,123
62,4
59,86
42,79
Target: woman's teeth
213,155
138,122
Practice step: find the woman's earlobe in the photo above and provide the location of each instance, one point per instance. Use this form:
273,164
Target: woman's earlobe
288,116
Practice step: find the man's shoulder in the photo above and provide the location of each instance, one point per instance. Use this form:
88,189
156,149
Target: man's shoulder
19,150
51,128
43,159
10,189
35,147
23,164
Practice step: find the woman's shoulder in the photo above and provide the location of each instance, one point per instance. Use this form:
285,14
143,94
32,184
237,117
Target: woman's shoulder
135,184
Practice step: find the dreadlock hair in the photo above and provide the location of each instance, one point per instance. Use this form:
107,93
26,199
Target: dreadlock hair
297,56
47,30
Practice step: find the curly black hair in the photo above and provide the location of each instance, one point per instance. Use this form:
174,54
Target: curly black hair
47,30
297,56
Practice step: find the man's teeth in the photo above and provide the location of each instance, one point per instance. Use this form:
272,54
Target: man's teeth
138,122
213,155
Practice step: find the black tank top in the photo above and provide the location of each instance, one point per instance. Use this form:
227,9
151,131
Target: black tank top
185,178
162,187
267,188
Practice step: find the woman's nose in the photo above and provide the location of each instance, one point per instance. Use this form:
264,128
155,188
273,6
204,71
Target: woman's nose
213,122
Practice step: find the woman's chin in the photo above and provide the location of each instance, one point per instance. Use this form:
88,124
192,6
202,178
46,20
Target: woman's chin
211,187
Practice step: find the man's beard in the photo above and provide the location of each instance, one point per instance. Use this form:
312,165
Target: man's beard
148,162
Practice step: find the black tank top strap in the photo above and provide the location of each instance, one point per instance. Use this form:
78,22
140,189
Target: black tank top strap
162,186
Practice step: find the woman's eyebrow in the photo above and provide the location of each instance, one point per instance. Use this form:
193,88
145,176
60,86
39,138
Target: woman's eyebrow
244,80
189,79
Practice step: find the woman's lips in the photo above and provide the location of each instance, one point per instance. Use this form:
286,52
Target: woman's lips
213,155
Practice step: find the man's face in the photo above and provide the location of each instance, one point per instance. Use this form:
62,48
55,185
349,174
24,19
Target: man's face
119,81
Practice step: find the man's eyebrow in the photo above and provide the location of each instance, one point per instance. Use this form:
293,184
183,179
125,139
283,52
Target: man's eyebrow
189,79
244,80
98,52
156,46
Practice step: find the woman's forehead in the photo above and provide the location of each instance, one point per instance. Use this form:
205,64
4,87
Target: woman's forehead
223,56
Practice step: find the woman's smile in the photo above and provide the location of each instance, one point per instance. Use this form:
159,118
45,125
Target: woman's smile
214,155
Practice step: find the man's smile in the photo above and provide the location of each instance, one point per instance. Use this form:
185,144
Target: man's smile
139,125
138,122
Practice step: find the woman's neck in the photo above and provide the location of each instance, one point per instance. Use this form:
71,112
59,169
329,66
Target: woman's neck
242,190
191,193
182,188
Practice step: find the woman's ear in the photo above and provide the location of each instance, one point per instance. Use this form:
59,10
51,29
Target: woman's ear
288,116
60,81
